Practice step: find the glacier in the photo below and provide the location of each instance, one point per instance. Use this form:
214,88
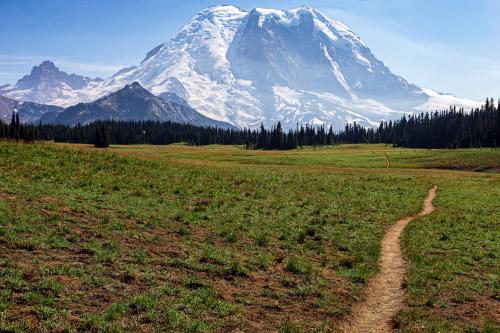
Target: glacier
267,65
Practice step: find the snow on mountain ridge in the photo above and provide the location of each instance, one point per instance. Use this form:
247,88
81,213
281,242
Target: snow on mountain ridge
269,65
46,84
202,59
292,17
440,101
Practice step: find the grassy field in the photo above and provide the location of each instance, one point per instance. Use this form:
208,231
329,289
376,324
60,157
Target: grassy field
345,156
202,239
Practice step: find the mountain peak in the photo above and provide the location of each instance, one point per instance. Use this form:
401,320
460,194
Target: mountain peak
223,12
44,68
297,16
135,85
223,9
47,65
272,11
47,84
134,103
135,89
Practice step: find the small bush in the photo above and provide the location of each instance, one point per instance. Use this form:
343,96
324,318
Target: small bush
115,311
289,327
230,236
139,256
194,282
49,287
262,239
183,231
299,265
347,262
236,268
286,281
142,303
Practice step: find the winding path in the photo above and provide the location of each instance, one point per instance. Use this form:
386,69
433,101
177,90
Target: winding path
384,295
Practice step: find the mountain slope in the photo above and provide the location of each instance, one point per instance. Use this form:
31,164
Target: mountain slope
133,103
28,112
46,84
267,65
264,66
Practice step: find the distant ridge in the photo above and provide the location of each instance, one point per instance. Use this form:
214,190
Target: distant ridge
28,112
134,103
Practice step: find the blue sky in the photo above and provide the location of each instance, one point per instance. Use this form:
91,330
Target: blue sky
448,45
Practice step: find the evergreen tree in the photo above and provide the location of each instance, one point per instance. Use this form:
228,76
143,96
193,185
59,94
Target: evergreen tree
102,137
497,126
262,139
12,127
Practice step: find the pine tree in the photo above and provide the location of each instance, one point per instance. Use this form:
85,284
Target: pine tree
12,126
262,140
497,126
102,137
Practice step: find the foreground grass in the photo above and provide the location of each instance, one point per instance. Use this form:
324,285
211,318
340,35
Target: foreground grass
200,239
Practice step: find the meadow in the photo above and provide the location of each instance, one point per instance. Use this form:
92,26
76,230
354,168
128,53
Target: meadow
218,238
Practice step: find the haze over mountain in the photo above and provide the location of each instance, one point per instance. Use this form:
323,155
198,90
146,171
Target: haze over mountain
262,66
132,103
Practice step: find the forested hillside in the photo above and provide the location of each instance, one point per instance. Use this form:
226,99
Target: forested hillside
446,129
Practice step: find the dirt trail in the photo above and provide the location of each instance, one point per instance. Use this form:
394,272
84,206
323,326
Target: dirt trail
384,295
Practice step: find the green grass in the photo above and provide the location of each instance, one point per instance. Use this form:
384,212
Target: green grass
453,277
201,239
343,156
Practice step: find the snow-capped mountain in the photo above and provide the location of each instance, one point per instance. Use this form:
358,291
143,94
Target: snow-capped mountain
266,65
46,84
132,103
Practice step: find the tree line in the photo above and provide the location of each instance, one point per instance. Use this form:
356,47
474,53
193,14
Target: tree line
452,128
17,131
